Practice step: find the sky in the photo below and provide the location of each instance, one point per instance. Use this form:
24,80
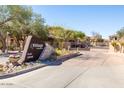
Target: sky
105,20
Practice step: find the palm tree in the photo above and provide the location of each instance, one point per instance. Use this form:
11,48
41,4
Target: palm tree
63,35
56,33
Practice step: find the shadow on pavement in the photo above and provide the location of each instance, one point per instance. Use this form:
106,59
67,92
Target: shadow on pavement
58,61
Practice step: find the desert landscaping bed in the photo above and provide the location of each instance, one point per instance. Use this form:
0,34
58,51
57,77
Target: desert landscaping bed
31,66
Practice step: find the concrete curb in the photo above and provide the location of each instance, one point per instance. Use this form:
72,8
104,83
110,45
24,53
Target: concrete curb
66,57
62,58
84,49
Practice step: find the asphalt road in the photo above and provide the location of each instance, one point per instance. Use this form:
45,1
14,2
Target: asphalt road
95,68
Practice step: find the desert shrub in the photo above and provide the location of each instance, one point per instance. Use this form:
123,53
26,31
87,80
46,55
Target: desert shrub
11,47
61,52
114,44
58,52
122,43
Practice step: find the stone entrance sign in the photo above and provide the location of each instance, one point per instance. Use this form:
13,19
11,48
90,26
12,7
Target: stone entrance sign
32,50
35,49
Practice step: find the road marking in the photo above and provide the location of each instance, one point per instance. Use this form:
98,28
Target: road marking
76,77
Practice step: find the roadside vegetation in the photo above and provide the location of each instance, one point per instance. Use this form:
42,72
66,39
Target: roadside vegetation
117,41
17,22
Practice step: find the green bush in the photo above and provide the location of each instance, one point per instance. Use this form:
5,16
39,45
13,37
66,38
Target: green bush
11,47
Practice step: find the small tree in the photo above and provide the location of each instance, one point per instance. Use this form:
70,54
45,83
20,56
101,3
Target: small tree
96,38
120,33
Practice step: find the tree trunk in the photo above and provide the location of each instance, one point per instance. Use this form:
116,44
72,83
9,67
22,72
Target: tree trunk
3,40
18,45
24,41
121,49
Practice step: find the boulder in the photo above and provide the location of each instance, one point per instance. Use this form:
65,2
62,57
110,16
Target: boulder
47,52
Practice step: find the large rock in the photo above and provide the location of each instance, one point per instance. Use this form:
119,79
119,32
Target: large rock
47,52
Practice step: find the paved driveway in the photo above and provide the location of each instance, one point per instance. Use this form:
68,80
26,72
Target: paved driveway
95,68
